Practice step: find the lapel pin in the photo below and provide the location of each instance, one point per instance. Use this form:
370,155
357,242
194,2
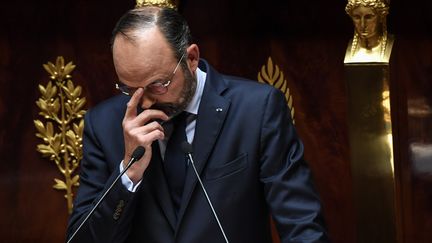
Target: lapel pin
219,109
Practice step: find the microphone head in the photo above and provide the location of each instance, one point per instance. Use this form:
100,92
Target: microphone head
138,153
187,147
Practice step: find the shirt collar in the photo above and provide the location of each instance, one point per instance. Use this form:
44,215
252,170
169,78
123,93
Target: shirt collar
196,99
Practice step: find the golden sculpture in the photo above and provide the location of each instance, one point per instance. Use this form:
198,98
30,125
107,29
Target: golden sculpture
62,105
367,73
273,76
156,3
371,42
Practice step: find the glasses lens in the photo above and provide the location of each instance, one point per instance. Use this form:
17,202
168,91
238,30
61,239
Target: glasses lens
125,89
157,88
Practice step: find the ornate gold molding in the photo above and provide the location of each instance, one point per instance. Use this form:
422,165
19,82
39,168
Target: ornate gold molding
62,108
156,3
271,74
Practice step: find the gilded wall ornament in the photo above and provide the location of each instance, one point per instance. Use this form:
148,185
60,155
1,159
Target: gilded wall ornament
61,107
271,74
156,3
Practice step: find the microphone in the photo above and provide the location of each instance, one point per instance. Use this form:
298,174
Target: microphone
136,155
188,149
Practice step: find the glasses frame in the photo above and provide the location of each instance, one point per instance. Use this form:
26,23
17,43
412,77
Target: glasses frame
153,87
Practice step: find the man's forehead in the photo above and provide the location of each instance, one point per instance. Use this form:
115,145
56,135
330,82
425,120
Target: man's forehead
141,37
147,45
144,58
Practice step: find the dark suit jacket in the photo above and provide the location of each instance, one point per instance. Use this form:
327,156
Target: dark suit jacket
249,158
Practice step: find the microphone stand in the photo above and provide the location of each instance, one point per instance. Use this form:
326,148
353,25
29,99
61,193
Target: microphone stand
187,148
136,155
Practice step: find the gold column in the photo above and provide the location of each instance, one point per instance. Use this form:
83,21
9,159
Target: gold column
370,136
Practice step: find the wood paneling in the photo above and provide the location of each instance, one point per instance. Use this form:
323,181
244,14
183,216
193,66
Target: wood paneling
32,34
412,76
307,39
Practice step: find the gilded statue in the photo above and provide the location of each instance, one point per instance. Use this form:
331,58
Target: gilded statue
371,42
156,3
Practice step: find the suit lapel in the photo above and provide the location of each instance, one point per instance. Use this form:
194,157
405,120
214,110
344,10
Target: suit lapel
211,116
160,186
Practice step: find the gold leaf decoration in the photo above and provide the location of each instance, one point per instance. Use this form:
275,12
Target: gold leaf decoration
271,74
156,3
60,185
61,106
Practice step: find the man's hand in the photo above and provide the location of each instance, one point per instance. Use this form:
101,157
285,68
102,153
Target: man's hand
139,129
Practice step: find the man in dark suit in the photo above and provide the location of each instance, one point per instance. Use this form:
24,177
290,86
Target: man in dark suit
245,149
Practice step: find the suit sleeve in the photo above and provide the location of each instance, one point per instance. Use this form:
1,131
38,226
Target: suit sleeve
110,221
293,201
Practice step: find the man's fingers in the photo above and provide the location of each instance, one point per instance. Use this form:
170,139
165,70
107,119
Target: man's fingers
142,130
148,138
143,119
149,115
131,109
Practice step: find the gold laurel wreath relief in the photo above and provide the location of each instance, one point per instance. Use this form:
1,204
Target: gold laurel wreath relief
61,107
271,74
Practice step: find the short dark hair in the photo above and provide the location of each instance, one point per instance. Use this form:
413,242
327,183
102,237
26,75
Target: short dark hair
171,24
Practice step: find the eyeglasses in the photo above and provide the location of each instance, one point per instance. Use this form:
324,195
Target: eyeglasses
157,87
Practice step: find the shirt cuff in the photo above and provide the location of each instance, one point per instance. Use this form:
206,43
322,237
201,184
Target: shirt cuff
127,182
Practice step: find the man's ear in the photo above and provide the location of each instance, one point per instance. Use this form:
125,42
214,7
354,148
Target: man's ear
193,57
